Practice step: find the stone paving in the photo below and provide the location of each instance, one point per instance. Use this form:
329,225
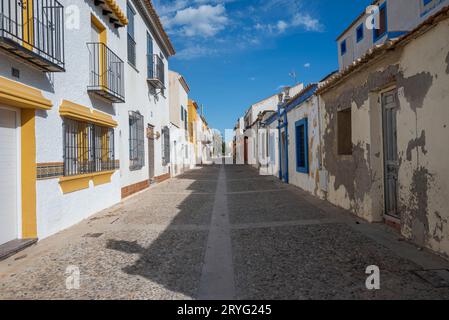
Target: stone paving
221,232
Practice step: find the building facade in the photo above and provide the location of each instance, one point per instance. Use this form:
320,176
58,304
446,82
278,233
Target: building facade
370,138
382,142
390,19
179,122
74,110
144,118
59,107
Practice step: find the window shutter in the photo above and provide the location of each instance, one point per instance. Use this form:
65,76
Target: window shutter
167,145
150,63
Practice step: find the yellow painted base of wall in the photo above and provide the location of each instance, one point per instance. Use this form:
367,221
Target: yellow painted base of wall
81,182
102,178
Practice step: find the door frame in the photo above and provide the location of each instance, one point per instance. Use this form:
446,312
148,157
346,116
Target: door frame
19,169
384,175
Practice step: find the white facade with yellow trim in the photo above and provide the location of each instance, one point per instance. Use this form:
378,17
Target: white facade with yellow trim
64,134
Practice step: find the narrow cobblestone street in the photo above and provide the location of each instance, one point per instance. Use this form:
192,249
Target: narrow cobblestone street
196,237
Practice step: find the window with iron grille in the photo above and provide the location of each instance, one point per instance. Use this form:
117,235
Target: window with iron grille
136,141
165,146
88,148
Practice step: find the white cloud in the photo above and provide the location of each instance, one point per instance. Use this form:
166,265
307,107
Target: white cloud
194,52
307,22
304,21
204,21
203,27
307,65
282,26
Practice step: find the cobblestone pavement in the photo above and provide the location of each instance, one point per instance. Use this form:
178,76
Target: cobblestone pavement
222,232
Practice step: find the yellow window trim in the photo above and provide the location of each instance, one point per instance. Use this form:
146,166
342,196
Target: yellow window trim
81,182
28,176
28,24
117,11
102,50
78,112
19,95
103,33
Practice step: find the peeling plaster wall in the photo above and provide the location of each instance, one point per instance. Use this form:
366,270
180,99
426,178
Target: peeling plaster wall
309,182
419,73
424,174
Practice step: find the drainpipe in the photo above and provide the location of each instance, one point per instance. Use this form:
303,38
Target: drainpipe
279,139
320,165
286,146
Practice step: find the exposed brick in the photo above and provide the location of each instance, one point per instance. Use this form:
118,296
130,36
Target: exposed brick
134,188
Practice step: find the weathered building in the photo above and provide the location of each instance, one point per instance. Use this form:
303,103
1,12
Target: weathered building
304,144
385,130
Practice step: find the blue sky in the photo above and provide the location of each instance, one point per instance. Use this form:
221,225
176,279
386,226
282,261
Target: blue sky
236,52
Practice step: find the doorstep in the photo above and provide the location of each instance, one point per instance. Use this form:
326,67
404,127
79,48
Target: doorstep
12,247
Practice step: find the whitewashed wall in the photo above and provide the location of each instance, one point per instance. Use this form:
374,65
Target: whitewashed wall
55,210
306,181
138,98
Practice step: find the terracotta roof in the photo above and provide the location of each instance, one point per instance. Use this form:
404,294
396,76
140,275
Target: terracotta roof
117,11
155,17
382,49
183,82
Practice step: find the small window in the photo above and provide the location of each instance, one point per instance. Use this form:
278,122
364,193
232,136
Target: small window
360,33
182,114
343,47
302,146
428,5
136,141
185,120
344,132
382,30
88,148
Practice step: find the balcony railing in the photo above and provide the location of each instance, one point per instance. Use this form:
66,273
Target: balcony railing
106,76
156,71
33,31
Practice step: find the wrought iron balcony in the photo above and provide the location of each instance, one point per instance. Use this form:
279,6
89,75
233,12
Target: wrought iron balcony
156,72
106,77
33,31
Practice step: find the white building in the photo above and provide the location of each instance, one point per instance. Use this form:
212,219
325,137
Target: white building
65,108
250,145
393,19
270,166
144,118
239,141
181,148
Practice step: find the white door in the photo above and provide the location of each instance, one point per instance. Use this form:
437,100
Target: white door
8,175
